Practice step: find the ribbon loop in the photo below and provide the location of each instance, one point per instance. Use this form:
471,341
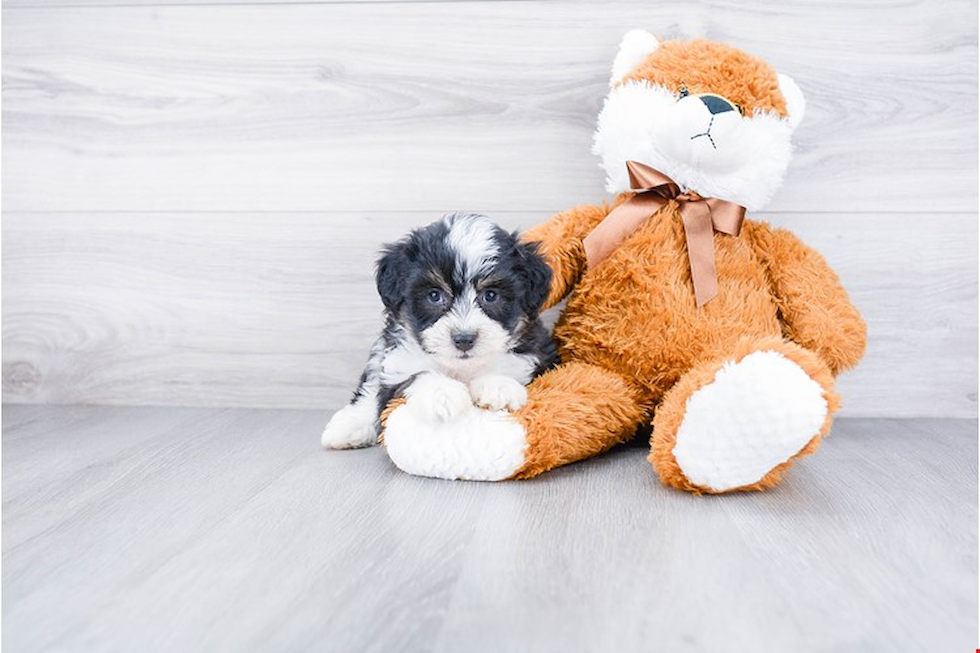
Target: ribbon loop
701,217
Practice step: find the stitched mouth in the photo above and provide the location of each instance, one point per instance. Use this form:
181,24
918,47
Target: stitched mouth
707,133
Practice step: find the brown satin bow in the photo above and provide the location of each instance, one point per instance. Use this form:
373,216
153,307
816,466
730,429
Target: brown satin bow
702,216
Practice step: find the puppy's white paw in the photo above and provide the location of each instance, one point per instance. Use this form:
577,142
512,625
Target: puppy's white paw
437,398
497,392
351,427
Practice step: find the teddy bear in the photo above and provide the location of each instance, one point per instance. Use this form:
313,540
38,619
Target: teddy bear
717,334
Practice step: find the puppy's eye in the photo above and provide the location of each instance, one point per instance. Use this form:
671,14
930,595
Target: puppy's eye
490,296
436,297
682,91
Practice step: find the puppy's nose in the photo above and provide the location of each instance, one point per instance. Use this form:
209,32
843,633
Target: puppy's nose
464,341
717,104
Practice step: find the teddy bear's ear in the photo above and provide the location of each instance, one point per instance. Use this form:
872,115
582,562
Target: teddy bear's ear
636,46
795,104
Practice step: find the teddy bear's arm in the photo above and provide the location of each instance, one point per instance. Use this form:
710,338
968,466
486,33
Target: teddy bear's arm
815,309
560,242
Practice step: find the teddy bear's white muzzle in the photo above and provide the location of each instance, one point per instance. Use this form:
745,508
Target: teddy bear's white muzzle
702,131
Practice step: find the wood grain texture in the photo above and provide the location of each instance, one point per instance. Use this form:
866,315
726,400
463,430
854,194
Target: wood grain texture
431,106
191,212
280,310
200,529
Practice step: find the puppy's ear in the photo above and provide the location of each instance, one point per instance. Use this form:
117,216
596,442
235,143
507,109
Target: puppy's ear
537,276
391,272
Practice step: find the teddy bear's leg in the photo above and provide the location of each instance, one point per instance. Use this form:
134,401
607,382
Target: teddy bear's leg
737,423
577,411
573,412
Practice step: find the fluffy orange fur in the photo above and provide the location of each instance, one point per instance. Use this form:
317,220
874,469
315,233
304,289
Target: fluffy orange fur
397,402
718,68
578,410
623,357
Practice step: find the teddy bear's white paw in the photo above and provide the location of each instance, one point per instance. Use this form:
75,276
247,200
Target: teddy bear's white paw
498,392
756,414
437,398
351,427
480,445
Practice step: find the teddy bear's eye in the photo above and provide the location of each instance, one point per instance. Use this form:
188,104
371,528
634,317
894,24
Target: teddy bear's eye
682,91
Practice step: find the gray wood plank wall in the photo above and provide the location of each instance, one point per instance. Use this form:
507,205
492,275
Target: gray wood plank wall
193,195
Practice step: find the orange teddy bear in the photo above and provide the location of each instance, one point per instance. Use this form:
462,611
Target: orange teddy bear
723,332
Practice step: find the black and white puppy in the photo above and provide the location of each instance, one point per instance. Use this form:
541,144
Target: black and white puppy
461,300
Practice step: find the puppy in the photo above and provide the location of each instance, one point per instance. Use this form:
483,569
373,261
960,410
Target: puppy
461,300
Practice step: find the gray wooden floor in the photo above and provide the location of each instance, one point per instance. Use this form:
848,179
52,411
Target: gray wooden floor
187,529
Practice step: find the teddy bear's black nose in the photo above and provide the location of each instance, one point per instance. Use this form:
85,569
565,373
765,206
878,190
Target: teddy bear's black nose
717,104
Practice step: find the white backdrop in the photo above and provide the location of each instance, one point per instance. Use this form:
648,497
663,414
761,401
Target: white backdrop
194,191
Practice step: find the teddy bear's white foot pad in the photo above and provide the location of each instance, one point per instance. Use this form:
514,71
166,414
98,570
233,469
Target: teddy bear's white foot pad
479,445
756,414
